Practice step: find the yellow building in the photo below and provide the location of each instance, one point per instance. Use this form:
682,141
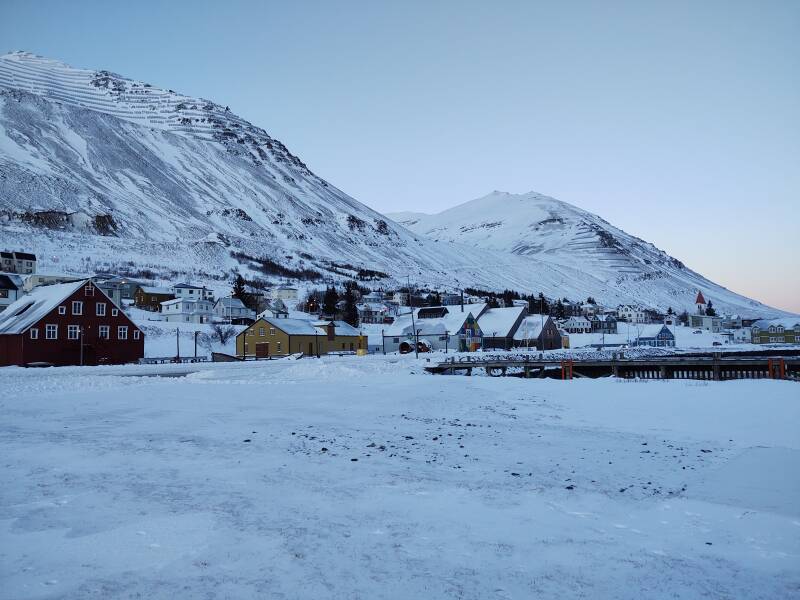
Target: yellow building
269,337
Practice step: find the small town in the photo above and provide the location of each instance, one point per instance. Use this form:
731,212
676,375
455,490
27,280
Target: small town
58,319
451,300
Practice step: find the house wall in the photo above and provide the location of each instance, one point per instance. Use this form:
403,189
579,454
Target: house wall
151,302
22,349
282,344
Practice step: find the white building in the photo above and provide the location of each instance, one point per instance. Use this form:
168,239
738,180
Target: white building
577,325
632,314
187,310
22,263
286,293
192,292
233,309
37,279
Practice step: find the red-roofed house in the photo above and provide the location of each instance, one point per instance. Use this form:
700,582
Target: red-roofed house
68,324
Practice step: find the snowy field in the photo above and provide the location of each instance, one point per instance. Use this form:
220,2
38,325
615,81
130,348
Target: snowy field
366,478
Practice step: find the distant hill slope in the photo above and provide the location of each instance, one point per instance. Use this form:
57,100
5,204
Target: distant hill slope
102,172
550,232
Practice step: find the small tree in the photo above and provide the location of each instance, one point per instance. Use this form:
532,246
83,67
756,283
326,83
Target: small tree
670,311
240,291
710,310
350,315
329,301
560,311
222,333
683,318
591,301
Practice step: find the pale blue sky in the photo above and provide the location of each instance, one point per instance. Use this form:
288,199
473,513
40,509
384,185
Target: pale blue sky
677,121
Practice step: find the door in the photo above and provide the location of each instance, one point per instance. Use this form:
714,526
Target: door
262,350
310,349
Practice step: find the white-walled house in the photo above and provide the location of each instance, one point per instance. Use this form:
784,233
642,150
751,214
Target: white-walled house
286,293
192,292
632,314
187,310
577,324
233,309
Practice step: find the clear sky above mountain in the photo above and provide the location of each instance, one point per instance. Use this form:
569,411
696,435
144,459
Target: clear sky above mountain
679,123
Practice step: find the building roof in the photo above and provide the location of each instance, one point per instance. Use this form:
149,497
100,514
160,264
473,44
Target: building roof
530,328
28,310
6,283
500,322
700,299
186,300
149,289
24,256
188,285
651,331
449,324
786,322
342,328
4,254
604,317
295,326
231,303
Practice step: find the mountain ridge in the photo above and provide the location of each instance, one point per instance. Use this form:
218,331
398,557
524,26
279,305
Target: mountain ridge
98,171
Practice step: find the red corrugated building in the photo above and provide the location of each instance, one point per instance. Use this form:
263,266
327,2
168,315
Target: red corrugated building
68,324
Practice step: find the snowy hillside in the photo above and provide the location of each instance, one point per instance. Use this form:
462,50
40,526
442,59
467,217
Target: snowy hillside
102,172
591,252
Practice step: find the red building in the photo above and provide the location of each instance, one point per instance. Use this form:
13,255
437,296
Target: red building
68,324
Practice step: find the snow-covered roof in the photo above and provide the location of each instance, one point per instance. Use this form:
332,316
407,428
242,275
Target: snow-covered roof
294,326
577,319
650,331
148,289
231,303
499,322
450,323
530,328
786,323
31,308
185,301
188,286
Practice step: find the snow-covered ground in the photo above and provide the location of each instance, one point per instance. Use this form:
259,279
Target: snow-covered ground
351,477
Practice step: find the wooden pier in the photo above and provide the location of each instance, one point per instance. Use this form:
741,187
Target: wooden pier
712,368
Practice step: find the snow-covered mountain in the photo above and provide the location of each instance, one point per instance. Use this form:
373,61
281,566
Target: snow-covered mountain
594,253
102,172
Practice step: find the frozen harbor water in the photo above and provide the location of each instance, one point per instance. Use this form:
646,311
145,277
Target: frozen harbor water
365,478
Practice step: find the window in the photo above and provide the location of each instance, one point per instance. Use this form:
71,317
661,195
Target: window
34,333
88,291
122,332
272,331
279,346
103,332
77,307
3,293
73,332
51,332
136,334
62,310
262,331
245,349
100,309
114,312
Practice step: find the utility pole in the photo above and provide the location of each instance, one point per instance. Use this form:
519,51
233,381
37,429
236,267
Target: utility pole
195,342
178,343
383,341
81,342
413,324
